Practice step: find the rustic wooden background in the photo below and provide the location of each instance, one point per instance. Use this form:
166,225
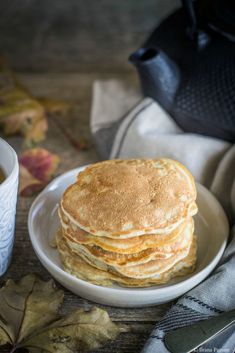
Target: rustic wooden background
58,49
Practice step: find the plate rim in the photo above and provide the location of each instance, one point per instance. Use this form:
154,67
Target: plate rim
48,263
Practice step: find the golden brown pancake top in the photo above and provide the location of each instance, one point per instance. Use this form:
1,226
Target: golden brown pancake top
130,197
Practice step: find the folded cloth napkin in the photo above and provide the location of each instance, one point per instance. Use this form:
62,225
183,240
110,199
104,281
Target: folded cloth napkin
126,125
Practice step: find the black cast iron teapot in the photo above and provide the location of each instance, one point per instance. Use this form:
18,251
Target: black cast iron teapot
188,66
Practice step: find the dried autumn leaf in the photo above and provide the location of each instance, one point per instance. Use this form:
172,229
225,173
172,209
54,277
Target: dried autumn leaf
4,338
37,166
19,111
28,184
27,306
29,320
75,332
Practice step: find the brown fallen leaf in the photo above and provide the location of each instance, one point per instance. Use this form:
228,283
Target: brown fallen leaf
27,306
19,111
37,166
29,319
28,184
78,331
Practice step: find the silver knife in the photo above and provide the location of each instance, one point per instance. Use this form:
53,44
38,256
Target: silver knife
188,338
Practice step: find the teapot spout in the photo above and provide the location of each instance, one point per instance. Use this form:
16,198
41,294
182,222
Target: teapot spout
159,75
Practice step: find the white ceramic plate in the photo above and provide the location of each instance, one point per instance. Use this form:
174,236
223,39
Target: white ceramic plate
211,227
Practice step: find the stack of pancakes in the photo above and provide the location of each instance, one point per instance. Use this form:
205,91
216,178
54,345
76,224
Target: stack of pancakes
129,222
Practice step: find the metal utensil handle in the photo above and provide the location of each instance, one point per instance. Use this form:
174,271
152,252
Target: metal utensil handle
186,339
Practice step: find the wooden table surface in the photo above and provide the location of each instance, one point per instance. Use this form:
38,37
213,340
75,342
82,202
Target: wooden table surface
72,81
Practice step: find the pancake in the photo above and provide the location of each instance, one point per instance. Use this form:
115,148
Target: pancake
128,198
102,257
142,270
129,222
121,246
81,269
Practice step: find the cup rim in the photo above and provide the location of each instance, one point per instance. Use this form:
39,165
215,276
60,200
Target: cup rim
15,170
